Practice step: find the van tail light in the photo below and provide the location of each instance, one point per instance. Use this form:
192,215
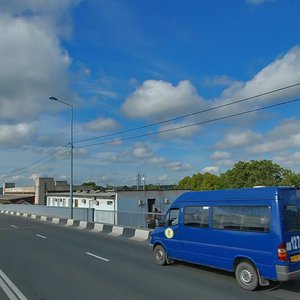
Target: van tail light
282,252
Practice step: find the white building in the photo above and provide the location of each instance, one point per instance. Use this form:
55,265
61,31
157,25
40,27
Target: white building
116,206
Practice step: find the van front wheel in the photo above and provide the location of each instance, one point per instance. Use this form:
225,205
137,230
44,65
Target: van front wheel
160,255
246,276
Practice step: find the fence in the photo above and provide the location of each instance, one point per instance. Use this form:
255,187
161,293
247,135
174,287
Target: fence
121,218
82,214
127,218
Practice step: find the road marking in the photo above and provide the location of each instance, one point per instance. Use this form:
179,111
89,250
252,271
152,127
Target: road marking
14,226
12,292
41,236
99,257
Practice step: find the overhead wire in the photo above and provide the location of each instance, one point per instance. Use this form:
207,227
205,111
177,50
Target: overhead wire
190,114
190,125
31,166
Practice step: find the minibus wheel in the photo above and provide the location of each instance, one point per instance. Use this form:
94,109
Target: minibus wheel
246,276
160,255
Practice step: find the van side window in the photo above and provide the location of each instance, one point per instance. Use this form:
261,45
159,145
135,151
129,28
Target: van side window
171,218
196,216
245,218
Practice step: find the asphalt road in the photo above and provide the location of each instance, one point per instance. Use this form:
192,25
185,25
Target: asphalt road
46,261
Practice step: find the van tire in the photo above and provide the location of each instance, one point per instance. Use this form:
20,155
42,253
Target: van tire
246,276
160,255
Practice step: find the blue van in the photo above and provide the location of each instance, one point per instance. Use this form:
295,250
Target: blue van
253,232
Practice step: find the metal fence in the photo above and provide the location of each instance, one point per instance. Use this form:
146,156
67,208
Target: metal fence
122,218
127,218
82,214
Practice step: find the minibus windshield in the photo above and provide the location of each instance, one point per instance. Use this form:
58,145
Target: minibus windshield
292,217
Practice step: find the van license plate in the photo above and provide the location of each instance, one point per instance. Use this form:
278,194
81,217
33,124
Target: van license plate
295,258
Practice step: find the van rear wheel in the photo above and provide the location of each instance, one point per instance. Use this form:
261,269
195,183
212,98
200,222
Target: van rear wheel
246,276
160,255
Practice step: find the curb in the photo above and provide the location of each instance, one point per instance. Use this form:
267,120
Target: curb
140,235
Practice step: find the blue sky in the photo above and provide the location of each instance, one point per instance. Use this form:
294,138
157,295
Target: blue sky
125,64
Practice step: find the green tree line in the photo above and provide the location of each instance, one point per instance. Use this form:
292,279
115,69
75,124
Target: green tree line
243,175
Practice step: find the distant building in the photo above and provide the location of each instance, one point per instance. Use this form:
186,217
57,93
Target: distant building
37,192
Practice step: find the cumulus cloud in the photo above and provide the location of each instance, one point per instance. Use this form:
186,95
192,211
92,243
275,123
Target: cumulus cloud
143,152
240,139
15,135
211,169
161,100
157,99
102,124
183,131
32,64
218,80
220,155
284,71
285,136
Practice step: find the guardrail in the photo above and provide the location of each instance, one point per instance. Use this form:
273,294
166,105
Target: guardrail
121,218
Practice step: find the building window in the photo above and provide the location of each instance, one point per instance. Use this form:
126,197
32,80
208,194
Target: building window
83,201
109,202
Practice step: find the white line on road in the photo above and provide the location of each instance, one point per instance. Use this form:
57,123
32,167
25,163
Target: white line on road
99,257
12,292
14,226
41,236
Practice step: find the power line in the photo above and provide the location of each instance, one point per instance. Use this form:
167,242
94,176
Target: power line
13,171
188,115
193,124
38,166
31,166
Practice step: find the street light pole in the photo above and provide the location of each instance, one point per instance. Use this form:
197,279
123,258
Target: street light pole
71,148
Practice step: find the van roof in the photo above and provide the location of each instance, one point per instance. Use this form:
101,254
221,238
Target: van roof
234,194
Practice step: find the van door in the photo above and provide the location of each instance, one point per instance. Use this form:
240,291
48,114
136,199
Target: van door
171,233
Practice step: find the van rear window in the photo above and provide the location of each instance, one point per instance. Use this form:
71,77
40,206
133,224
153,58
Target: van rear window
292,217
244,218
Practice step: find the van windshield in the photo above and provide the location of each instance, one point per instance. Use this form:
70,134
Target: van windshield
292,217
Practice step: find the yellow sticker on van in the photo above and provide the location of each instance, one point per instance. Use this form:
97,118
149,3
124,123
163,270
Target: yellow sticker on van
169,233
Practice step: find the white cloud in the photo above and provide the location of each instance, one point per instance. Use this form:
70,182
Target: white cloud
170,131
163,178
218,80
102,124
157,99
220,155
15,135
160,100
142,151
282,137
240,139
33,65
210,169
284,71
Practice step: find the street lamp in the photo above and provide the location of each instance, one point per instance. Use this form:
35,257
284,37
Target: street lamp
71,148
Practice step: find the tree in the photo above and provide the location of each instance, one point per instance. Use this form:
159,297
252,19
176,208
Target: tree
89,184
254,173
199,182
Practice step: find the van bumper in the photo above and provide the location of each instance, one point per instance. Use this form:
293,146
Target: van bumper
283,273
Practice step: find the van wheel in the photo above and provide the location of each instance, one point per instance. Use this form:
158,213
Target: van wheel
246,276
160,255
